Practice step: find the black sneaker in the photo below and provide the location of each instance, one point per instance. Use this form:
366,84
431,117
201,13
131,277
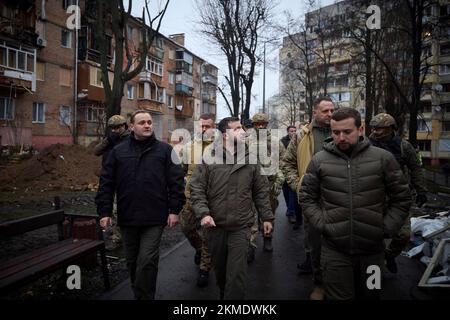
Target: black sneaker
203,277
197,257
391,265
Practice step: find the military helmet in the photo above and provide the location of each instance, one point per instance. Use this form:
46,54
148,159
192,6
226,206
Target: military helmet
383,120
260,117
116,120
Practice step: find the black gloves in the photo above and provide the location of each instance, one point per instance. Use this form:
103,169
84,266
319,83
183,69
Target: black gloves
421,199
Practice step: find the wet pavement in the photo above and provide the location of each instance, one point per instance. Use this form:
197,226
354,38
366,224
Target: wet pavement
272,276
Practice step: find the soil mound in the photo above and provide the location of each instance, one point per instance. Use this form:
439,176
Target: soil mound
58,167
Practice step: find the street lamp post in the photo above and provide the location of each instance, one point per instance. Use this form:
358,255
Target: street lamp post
264,79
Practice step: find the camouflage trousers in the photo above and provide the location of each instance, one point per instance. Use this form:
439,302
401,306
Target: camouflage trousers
257,224
400,240
188,224
116,235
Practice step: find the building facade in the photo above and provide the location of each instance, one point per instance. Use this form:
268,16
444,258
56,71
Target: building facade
51,88
323,58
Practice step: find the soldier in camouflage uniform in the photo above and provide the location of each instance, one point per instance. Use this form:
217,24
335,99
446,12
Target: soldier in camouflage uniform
191,155
118,131
260,121
384,136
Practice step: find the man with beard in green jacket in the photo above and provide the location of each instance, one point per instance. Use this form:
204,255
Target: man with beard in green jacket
224,191
356,195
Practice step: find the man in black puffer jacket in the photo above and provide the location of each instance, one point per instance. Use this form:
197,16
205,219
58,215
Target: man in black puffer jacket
356,195
150,194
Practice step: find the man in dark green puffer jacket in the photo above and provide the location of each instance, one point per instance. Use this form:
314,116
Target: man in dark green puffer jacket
356,195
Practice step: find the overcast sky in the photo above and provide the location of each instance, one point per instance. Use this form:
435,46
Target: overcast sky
182,17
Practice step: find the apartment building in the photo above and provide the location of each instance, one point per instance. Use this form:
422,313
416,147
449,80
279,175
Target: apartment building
51,88
346,86
37,59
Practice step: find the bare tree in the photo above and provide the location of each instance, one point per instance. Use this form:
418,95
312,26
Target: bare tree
399,48
235,26
291,105
112,15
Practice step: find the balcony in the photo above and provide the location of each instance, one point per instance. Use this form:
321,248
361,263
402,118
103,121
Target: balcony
17,66
21,27
150,105
209,79
207,97
184,89
183,66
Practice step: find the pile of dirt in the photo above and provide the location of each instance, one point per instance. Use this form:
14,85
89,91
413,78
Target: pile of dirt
58,167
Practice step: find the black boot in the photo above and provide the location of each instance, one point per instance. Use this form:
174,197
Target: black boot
305,267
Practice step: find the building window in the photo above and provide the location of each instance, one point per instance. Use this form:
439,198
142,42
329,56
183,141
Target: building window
130,32
141,91
130,91
444,69
94,114
424,145
19,59
95,77
154,67
6,108
38,112
169,101
423,126
170,125
446,107
171,78
446,126
40,71
66,38
171,54
64,77
64,115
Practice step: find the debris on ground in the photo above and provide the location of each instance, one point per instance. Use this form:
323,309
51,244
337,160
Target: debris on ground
430,237
54,168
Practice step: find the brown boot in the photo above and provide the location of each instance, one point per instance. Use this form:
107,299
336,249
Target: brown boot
318,293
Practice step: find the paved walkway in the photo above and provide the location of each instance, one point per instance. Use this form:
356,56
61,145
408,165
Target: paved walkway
272,276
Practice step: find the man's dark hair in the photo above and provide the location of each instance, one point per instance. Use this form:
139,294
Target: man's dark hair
207,116
223,124
318,100
345,113
133,115
290,128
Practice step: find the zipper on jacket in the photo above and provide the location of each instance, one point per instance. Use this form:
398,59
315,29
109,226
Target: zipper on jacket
351,205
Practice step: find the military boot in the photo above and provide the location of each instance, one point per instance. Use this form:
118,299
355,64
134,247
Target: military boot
268,244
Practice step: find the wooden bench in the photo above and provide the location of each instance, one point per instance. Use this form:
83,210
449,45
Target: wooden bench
28,267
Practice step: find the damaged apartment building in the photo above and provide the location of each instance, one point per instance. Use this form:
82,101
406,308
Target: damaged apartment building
51,88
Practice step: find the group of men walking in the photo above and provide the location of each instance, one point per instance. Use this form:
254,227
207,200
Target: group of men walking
350,192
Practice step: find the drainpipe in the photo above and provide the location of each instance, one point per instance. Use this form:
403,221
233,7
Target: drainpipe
75,82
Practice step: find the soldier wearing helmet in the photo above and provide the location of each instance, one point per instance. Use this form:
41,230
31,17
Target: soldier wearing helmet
384,136
117,131
260,121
